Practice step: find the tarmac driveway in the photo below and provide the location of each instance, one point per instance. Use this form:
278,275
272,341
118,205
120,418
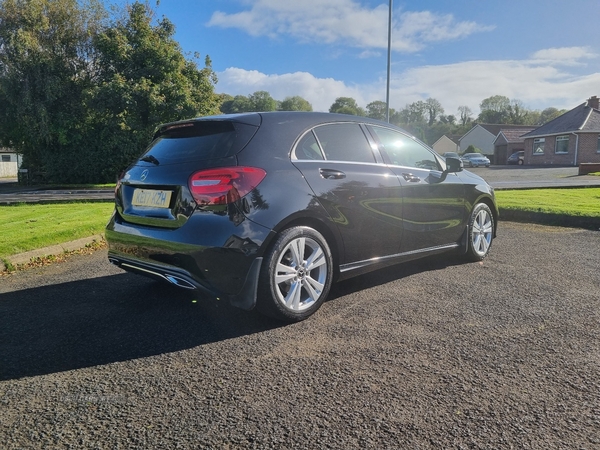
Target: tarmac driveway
437,354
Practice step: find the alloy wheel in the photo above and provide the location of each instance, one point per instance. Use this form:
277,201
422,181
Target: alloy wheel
301,274
481,235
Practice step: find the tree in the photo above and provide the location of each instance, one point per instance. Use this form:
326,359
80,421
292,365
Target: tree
549,114
532,117
472,149
378,110
295,103
415,112
240,104
80,99
346,105
262,101
226,101
45,56
434,109
516,112
143,80
494,109
465,114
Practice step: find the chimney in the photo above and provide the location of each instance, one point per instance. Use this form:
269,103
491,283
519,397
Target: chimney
594,102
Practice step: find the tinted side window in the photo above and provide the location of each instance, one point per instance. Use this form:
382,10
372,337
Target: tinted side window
308,148
344,142
402,150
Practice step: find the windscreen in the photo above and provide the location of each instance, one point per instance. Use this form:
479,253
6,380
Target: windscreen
201,140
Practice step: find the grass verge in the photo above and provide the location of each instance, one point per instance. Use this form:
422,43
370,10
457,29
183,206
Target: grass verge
32,226
581,202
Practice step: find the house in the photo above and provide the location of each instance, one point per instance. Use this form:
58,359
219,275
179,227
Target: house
447,143
508,142
10,162
569,140
483,135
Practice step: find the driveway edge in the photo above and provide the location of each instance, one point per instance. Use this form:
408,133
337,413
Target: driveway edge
559,220
53,250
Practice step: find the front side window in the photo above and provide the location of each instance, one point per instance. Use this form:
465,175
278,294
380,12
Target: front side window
402,150
562,144
344,142
538,146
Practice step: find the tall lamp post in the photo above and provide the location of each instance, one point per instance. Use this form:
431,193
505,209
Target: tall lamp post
389,63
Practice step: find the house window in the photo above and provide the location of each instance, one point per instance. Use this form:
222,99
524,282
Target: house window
5,158
562,144
538,146
598,146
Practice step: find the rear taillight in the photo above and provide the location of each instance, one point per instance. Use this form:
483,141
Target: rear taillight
224,185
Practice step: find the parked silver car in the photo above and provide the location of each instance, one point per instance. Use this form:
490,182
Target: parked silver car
475,160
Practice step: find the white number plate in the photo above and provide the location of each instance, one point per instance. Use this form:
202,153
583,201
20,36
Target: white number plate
151,197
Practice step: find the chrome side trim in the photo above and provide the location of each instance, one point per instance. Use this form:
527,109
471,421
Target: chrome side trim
388,260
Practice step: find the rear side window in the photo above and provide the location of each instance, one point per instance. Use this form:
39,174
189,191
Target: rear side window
344,142
200,140
308,148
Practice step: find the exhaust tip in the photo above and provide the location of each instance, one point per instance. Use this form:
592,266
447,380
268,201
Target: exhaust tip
180,282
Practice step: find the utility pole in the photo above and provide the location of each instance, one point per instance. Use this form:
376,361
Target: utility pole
389,64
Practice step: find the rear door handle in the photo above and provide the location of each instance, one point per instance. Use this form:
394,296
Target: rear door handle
411,178
330,174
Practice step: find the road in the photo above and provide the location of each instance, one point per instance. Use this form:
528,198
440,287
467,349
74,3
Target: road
500,177
519,177
431,354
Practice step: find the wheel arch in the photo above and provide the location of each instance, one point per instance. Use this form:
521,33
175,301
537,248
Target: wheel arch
328,232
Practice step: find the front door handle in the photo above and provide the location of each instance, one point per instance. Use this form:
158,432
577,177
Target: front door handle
411,178
330,174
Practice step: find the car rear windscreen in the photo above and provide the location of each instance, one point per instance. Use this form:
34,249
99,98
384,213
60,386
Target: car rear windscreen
201,140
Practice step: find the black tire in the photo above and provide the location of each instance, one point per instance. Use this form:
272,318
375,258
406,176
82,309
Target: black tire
521,162
481,232
296,275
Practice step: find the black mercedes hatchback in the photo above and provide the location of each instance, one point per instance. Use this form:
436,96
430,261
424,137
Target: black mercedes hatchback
268,209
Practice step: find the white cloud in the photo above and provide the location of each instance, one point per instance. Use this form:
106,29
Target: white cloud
564,55
346,22
320,92
537,83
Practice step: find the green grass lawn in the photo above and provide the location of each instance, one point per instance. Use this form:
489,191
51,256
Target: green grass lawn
30,226
583,202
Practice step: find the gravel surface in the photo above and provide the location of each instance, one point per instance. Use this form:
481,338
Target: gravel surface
432,354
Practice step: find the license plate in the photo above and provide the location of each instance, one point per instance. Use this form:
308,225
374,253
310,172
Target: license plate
152,198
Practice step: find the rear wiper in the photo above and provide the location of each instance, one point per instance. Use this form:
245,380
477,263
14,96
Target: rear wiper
150,159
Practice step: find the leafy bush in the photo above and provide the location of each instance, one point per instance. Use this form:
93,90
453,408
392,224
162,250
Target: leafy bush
471,149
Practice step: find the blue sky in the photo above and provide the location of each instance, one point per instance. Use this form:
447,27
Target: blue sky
543,53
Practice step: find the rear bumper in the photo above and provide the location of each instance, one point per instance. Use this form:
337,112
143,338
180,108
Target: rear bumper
245,298
209,253
177,277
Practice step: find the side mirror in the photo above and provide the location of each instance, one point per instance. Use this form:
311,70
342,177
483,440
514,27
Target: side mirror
454,165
